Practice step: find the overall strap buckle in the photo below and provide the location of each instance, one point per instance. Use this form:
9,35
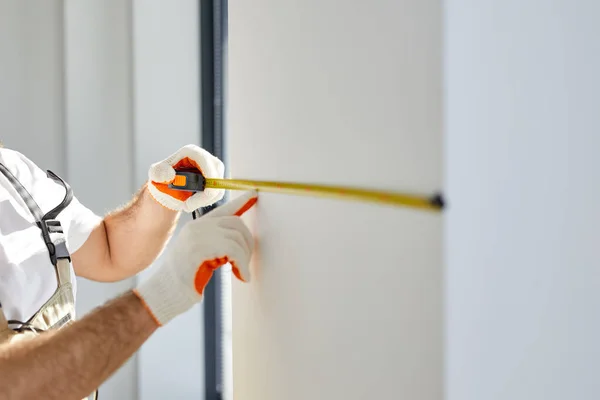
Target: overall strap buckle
57,249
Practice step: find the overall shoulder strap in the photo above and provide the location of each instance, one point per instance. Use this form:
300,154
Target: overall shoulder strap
46,222
35,210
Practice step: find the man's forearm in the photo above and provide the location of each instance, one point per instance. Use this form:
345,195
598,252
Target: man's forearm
72,362
137,233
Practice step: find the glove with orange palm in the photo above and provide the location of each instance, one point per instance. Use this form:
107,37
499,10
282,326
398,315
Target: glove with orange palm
202,246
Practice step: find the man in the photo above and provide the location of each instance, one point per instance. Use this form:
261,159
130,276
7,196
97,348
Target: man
44,352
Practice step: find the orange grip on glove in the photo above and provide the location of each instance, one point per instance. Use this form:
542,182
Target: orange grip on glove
206,270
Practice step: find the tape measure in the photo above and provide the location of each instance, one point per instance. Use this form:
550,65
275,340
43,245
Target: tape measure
189,180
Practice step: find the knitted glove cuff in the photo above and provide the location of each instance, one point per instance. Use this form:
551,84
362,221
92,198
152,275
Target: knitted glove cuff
165,297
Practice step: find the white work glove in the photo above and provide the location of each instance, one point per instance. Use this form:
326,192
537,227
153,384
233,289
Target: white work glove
163,172
202,246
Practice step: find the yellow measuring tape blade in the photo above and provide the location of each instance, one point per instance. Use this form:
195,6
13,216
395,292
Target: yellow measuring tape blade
432,203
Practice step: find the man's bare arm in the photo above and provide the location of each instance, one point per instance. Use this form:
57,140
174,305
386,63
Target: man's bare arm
127,241
72,362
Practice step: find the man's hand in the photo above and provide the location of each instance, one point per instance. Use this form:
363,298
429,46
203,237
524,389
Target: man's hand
205,244
129,240
188,157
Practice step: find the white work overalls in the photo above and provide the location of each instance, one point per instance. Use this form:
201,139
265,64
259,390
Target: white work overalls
59,310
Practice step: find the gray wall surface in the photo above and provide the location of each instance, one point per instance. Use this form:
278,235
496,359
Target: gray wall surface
31,81
523,173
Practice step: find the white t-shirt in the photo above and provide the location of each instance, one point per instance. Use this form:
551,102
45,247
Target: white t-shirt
27,276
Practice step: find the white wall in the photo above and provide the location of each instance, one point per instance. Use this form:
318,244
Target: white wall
523,260
346,301
102,89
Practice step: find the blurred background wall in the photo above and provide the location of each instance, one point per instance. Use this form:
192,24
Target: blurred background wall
97,91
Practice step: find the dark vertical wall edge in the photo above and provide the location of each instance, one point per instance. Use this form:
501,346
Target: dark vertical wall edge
219,151
213,33
209,137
